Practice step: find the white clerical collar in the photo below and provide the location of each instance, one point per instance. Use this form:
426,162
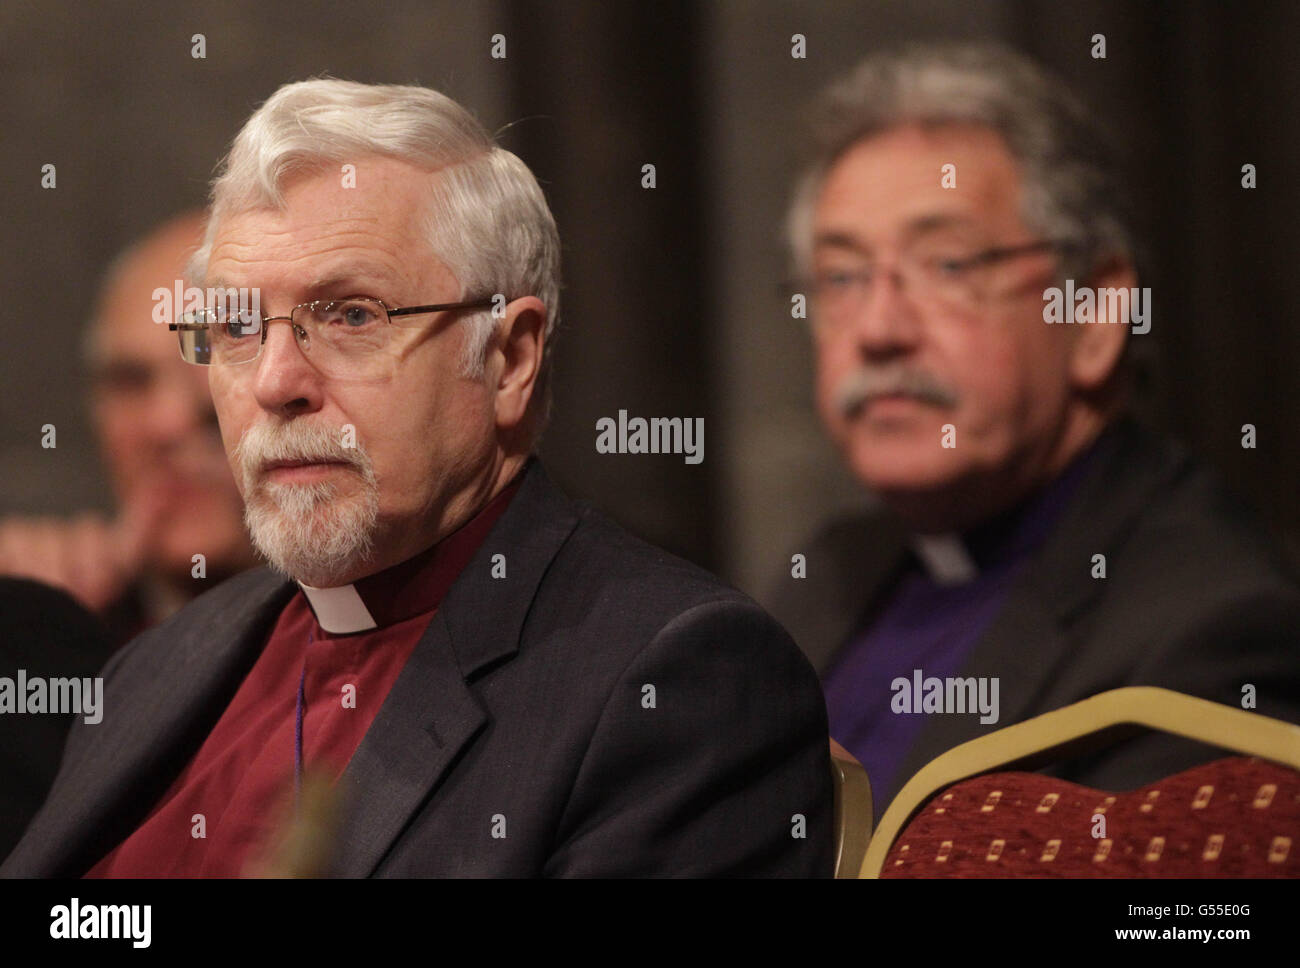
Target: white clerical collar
945,558
339,610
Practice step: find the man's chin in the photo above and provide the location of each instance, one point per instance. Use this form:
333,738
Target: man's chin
904,465
307,575
322,545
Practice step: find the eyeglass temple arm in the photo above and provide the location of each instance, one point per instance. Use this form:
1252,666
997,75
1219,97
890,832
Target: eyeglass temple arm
442,307
997,255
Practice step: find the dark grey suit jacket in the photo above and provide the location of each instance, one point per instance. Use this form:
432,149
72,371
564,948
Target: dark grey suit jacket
1195,599
49,635
526,699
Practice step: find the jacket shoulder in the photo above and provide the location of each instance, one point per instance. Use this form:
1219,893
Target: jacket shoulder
1196,596
1189,536
821,595
608,595
604,569
184,636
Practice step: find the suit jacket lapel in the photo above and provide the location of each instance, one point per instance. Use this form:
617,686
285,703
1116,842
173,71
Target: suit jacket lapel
428,716
1027,645
431,714
1025,649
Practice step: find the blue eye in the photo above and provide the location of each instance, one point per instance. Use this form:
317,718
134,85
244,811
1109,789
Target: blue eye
240,324
352,314
838,279
356,314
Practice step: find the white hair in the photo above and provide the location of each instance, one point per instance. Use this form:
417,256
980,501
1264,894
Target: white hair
1071,190
488,220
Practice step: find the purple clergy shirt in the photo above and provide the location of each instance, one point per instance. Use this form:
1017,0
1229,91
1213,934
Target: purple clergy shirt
934,627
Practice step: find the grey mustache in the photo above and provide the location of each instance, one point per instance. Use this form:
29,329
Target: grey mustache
260,446
864,384
313,457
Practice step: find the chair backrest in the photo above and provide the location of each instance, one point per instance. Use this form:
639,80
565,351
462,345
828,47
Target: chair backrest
1039,741
1235,817
852,812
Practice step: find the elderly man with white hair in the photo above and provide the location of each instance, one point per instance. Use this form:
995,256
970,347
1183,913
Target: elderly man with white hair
495,680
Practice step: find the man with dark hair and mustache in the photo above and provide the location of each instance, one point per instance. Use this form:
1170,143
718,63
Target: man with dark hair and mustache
490,678
1029,532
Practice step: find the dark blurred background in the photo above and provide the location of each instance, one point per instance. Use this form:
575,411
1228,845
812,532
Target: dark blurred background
670,306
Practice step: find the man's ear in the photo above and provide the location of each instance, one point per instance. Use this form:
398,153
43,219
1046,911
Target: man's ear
521,339
1099,345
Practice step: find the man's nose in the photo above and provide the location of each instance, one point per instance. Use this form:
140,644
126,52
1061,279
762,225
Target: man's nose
888,321
285,381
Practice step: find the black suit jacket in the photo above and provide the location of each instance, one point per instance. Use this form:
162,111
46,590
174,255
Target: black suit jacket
50,635
528,699
1195,599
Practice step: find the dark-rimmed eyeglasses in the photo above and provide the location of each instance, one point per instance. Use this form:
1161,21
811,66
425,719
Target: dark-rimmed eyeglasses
939,273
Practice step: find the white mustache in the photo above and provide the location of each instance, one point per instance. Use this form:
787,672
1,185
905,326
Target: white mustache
263,444
868,382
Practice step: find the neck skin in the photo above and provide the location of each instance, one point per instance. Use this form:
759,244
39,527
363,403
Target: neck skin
459,508
975,499
478,495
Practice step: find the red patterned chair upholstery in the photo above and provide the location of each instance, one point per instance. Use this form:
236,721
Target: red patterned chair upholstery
962,816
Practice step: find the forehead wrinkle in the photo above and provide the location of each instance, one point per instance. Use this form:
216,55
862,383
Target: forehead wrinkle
914,227
270,227
343,266
317,247
321,236
353,272
836,239
890,170
935,221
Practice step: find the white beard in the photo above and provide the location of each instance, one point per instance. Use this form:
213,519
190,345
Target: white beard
305,531
308,535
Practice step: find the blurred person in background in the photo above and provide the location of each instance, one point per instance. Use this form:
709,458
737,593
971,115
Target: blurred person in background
1029,535
160,444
